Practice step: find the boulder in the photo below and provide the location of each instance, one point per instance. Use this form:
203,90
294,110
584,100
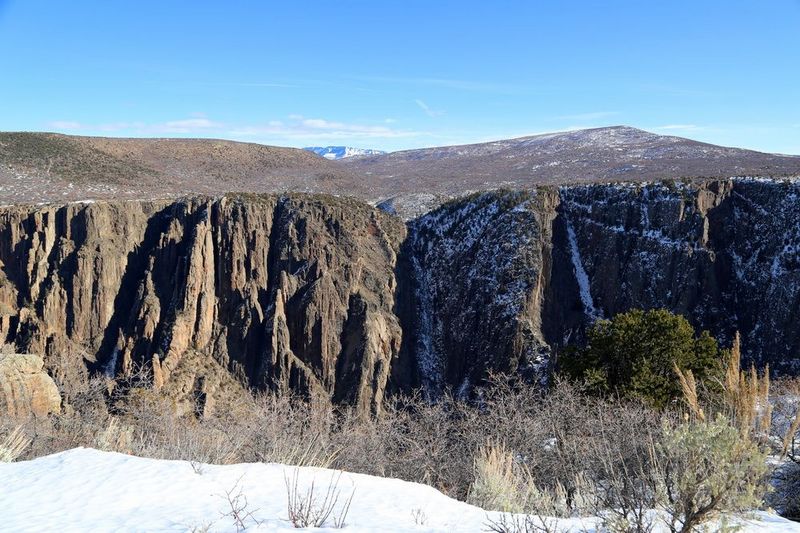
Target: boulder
25,388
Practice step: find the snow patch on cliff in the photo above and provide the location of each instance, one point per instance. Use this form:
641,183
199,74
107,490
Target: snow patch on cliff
475,264
580,275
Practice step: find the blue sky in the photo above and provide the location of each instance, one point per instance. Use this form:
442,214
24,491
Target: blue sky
402,74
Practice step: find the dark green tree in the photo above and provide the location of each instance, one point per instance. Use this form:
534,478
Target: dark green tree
634,354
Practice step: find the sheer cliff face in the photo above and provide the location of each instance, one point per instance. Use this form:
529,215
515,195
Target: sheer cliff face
501,281
476,273
292,292
321,293
726,255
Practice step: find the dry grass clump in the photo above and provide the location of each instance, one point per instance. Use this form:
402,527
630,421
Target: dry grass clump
12,445
745,399
500,484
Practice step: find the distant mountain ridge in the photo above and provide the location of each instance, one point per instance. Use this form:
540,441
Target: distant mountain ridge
610,154
341,152
47,167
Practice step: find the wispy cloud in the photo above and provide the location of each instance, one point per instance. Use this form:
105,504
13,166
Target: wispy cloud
294,128
428,111
189,125
255,84
65,125
680,127
446,83
299,127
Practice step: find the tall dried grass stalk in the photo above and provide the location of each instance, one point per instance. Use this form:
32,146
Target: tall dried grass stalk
689,388
496,485
746,394
788,438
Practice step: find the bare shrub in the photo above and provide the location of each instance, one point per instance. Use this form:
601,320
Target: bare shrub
238,507
627,483
283,428
69,372
412,440
316,509
419,516
786,417
556,452
116,437
511,523
786,497
788,444
577,449
159,429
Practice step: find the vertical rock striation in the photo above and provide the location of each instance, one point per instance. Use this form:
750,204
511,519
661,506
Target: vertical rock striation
317,293
477,271
286,292
499,280
725,254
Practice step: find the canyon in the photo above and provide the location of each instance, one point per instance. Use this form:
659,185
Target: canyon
318,293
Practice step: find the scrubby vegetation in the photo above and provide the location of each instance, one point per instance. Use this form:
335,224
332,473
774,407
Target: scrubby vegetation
634,355
560,451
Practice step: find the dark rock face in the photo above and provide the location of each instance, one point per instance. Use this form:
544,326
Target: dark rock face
327,294
501,281
477,272
724,254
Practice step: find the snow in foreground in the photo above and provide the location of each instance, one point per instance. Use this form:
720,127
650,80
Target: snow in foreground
89,490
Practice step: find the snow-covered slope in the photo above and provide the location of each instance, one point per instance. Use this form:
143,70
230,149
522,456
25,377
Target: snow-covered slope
341,152
89,490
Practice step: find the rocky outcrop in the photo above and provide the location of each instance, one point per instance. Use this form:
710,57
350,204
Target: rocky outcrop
318,293
25,389
286,292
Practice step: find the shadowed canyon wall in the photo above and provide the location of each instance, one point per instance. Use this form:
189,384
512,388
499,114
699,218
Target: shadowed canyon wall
316,292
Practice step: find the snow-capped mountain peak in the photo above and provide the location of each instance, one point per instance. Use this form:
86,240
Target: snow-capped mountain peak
341,152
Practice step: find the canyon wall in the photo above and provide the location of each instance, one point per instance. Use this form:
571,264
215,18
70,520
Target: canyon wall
292,292
318,293
500,281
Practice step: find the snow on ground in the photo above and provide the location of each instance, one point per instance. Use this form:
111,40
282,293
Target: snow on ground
90,490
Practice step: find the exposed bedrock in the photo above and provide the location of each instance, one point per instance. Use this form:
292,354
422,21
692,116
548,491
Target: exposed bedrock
286,292
311,292
25,388
500,281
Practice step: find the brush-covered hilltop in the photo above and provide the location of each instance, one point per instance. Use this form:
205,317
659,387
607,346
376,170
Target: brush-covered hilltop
50,167
611,154
46,167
